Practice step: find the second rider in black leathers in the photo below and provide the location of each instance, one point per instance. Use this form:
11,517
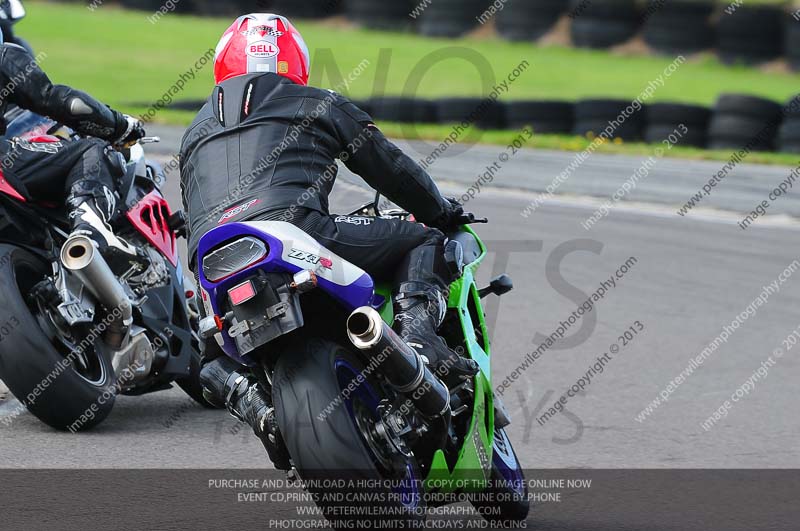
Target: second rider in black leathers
84,171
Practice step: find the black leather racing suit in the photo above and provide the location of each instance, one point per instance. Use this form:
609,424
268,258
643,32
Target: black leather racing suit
266,148
50,171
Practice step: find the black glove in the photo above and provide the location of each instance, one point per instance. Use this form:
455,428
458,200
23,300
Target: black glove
129,131
453,218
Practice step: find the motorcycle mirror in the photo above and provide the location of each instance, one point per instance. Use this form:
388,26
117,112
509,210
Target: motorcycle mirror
499,286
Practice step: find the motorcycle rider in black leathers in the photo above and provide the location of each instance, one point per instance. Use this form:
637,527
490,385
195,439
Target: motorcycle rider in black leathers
264,147
84,171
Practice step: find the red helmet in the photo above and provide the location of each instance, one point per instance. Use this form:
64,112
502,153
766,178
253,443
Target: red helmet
261,42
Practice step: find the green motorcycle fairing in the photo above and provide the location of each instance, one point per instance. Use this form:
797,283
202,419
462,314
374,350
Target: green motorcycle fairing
473,466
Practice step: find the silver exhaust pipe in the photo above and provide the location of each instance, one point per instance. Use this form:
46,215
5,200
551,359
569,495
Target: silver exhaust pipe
80,256
365,328
402,366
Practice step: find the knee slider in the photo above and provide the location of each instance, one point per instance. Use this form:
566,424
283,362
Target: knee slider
95,191
116,162
454,258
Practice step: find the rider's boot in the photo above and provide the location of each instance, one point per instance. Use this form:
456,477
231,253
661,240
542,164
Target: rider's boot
420,307
91,206
224,385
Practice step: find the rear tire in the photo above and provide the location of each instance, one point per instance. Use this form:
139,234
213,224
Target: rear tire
329,442
70,396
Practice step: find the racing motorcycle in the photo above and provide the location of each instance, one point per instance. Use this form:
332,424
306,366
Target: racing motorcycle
351,400
77,328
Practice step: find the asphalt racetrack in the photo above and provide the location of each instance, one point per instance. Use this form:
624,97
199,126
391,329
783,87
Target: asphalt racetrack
678,282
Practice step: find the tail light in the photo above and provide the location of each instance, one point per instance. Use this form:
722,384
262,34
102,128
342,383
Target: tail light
233,257
242,293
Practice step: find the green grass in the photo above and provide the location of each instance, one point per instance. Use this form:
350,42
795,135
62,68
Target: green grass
121,58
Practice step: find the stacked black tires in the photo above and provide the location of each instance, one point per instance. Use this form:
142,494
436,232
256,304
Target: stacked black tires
544,117
295,8
485,113
735,122
215,8
792,39
789,135
380,15
617,117
744,122
603,23
678,26
403,110
525,20
743,33
143,5
750,34
290,8
449,18
687,123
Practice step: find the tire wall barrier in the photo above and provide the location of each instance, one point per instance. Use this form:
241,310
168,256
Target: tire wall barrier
527,20
678,26
739,33
604,23
789,132
741,120
750,35
735,121
744,34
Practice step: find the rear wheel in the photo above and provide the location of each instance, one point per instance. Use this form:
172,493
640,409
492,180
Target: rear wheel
505,503
59,373
333,424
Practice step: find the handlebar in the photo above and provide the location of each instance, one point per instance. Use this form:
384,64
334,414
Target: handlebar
470,219
141,141
58,126
374,208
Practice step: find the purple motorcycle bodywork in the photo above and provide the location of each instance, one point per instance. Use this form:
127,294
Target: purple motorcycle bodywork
353,294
